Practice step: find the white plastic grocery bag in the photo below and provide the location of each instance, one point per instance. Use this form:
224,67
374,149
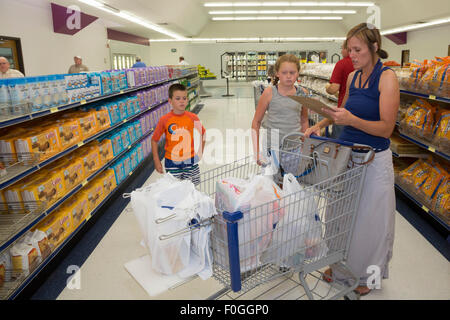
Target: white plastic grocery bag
298,234
255,198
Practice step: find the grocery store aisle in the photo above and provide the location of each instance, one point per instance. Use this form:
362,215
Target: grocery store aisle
417,270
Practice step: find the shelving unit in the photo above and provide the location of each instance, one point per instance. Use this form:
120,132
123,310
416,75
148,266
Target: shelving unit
14,226
253,65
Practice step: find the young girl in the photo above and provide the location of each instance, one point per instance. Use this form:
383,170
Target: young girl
284,115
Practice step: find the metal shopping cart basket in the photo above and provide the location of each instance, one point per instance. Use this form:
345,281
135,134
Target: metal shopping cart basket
254,248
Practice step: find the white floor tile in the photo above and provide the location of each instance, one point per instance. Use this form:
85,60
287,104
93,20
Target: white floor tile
417,270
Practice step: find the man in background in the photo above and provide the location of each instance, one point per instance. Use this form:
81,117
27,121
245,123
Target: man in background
78,66
338,82
139,63
6,72
183,62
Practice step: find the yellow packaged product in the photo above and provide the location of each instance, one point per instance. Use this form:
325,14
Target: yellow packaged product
46,189
69,131
441,201
78,208
441,132
435,178
38,240
103,121
420,176
44,142
94,194
88,124
90,157
57,226
419,119
73,172
406,175
109,181
106,151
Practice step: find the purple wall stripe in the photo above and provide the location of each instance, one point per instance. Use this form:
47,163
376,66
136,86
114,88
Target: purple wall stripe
126,37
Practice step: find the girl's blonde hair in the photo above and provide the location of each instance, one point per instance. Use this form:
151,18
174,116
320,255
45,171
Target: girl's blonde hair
285,58
369,35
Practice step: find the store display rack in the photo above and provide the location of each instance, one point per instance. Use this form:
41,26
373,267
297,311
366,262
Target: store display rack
12,289
20,227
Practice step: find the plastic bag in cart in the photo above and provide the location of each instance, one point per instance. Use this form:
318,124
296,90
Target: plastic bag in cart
255,198
298,234
174,203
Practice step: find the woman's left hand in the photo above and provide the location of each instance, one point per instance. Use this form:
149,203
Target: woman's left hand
341,116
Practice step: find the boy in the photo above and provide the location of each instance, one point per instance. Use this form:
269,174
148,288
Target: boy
178,125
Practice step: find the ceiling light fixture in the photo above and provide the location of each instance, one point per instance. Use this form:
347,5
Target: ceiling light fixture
202,40
282,12
288,4
416,26
274,18
132,18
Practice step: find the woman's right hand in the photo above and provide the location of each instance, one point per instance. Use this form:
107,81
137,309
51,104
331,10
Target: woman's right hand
159,168
312,130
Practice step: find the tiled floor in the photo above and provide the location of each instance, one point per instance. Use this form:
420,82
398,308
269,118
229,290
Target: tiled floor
417,270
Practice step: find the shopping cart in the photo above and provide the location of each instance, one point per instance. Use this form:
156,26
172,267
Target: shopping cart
254,247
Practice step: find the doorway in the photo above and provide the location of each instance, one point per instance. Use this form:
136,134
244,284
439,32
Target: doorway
405,57
11,49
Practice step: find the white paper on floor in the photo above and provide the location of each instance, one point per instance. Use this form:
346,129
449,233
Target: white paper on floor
152,282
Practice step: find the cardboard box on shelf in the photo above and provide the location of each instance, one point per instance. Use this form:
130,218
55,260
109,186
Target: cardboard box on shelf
106,151
57,226
69,131
91,159
44,141
109,181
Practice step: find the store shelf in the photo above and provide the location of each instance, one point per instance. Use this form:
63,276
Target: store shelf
426,96
423,207
8,236
12,289
25,118
21,171
425,146
409,155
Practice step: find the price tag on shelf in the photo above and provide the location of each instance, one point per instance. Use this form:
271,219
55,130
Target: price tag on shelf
80,144
88,217
125,120
432,97
131,173
129,147
121,91
432,149
83,102
85,182
53,110
425,209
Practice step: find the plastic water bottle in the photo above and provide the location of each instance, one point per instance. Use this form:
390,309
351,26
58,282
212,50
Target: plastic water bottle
5,100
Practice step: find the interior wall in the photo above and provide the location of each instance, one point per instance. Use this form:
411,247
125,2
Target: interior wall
208,54
422,44
47,52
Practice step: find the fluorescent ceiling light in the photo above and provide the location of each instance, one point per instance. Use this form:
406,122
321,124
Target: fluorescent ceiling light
416,26
282,12
199,40
273,18
289,4
132,18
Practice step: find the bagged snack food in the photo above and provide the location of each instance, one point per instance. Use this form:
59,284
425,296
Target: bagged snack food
406,175
421,175
103,120
441,201
435,178
48,188
441,132
44,142
419,119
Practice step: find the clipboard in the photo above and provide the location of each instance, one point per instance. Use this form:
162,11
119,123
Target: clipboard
314,105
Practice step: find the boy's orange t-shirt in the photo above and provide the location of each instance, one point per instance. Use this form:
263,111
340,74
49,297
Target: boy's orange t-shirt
179,130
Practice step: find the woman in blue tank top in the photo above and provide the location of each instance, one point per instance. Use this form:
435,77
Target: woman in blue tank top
371,106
